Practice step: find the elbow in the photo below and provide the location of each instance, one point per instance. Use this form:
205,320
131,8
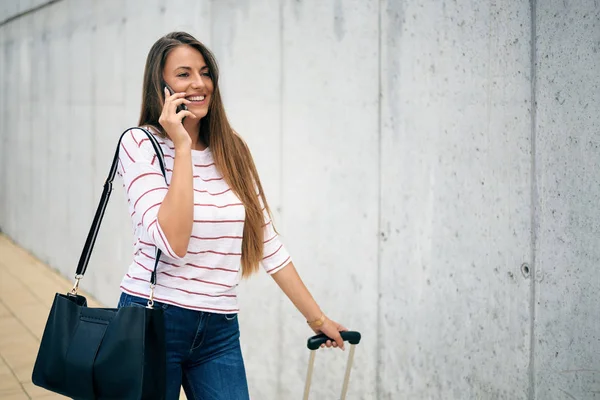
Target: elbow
175,248
180,250
175,243
180,246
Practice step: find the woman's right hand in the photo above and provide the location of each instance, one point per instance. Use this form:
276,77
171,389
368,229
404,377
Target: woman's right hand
170,119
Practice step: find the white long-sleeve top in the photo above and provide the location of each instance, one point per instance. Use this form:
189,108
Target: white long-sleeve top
206,277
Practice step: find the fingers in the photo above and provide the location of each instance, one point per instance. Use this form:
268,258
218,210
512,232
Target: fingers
335,343
339,341
180,101
175,98
171,103
329,344
183,114
176,95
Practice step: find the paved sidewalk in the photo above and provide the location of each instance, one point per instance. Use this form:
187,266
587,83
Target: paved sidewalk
27,288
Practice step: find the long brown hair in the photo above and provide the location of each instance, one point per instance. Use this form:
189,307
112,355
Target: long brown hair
231,154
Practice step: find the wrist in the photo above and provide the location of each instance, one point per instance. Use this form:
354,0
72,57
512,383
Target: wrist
317,322
183,147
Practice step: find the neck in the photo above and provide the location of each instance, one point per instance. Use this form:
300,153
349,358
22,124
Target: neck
193,129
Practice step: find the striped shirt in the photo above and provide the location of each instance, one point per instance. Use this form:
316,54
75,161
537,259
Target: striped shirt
206,277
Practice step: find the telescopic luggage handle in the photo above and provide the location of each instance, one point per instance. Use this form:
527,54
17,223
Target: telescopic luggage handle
315,342
313,345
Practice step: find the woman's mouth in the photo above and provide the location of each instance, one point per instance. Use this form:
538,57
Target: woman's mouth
196,100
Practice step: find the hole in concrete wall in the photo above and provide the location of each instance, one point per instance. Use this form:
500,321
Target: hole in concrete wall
525,270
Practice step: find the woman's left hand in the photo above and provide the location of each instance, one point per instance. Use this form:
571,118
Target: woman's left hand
332,329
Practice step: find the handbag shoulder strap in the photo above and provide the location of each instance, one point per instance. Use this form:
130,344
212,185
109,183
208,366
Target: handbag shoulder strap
93,233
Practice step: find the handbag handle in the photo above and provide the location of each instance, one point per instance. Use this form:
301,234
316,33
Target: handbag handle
93,233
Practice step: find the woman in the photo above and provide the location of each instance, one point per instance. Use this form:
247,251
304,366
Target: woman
212,223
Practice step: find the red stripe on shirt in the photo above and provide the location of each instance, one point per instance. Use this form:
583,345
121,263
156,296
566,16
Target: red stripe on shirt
195,165
214,252
216,206
212,194
161,238
196,280
207,180
216,237
143,266
151,190
153,258
184,278
141,176
165,243
190,264
133,138
128,155
267,241
198,176
283,263
182,290
148,209
212,268
275,252
161,300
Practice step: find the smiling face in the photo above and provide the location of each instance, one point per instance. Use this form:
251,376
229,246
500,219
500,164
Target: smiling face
186,71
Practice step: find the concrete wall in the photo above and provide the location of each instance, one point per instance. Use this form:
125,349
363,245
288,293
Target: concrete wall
567,185
455,200
433,172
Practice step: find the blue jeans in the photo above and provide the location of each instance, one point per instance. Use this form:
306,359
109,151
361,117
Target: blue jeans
203,353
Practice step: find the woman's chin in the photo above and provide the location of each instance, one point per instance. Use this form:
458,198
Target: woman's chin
199,116
200,113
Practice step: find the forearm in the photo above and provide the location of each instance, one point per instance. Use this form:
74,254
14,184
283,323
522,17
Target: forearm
289,281
176,213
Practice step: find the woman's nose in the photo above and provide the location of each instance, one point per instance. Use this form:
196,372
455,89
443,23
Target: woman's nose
198,83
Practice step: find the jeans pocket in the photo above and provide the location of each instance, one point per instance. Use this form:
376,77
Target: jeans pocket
231,317
128,300
134,304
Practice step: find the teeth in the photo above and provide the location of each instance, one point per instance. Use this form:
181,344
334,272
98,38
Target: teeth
196,98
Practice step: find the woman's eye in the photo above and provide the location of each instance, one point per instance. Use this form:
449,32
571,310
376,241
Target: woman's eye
182,75
207,74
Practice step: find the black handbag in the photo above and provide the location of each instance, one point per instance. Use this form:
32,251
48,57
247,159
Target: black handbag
103,353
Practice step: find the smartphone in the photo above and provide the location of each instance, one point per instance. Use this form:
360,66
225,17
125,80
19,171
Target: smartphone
180,107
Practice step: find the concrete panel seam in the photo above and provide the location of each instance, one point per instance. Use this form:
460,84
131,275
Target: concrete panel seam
379,189
534,198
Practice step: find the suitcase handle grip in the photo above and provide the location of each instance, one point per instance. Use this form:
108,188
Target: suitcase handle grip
316,341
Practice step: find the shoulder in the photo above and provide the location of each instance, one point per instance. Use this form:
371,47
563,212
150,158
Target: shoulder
136,144
133,137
